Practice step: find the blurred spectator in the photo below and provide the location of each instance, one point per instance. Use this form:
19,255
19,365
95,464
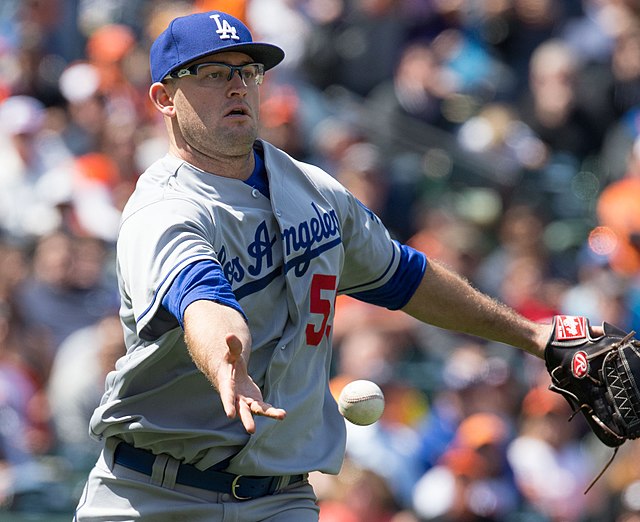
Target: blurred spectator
280,120
527,289
417,90
447,236
361,170
76,385
520,234
236,8
13,270
625,69
496,131
268,17
68,289
40,46
321,56
95,200
470,68
472,382
521,26
621,78
29,150
356,495
24,431
551,108
547,457
618,212
369,31
79,84
112,50
622,480
472,481
331,139
599,292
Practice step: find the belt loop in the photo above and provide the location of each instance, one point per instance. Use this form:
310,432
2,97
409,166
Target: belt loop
157,472
283,482
171,473
109,452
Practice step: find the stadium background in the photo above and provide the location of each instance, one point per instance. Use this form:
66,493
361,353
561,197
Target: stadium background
500,136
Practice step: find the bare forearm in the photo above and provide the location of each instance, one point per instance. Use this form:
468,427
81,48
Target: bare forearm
219,341
446,300
207,326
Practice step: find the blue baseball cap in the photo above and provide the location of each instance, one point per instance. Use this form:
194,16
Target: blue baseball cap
196,35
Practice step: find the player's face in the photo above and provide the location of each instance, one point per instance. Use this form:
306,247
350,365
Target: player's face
218,118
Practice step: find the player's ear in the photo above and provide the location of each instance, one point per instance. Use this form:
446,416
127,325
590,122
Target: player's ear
161,95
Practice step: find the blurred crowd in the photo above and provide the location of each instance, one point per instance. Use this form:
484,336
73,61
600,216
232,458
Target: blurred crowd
499,136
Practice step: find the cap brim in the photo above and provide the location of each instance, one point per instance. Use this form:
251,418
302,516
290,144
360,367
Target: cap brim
267,54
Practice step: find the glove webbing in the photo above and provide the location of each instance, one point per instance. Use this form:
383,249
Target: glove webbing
620,380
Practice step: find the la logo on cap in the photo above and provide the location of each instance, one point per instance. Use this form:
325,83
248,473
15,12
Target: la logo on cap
225,29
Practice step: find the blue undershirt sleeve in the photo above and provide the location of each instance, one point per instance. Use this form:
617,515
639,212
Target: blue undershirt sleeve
396,292
202,280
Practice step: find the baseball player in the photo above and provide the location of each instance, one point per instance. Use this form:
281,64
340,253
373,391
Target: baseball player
230,256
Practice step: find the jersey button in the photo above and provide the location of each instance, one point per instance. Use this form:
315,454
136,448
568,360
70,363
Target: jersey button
255,193
278,213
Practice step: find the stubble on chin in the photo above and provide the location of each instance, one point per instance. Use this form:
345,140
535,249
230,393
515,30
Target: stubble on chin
235,142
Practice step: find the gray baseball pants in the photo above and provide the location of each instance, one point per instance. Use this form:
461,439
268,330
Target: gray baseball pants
114,493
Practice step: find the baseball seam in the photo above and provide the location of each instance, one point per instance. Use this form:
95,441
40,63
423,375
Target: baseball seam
360,399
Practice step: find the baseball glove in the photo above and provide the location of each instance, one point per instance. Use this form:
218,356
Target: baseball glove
598,376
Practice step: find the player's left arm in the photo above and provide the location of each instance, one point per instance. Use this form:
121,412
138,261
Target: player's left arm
426,289
445,299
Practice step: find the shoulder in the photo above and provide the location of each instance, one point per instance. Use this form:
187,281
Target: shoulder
155,192
284,168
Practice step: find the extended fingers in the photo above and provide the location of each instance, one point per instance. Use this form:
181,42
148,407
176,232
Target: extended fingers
266,410
246,417
256,407
249,407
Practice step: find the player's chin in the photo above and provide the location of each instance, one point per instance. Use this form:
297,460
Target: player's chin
242,130
236,139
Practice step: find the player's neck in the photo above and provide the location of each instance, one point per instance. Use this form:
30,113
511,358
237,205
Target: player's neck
228,166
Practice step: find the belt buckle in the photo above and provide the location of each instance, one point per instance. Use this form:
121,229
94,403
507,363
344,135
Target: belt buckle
235,485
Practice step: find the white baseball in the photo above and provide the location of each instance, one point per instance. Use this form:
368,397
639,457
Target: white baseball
361,402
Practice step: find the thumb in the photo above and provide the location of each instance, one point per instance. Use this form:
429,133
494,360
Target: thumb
228,393
235,347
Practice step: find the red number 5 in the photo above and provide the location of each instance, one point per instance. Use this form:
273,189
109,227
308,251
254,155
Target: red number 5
320,305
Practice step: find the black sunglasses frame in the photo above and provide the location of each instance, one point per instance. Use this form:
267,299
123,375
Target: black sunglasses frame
192,70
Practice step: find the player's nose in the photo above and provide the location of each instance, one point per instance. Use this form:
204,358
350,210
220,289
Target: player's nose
236,79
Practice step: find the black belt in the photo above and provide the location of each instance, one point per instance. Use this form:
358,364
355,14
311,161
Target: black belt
241,487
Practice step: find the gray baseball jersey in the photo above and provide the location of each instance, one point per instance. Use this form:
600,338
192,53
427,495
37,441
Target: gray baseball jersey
286,258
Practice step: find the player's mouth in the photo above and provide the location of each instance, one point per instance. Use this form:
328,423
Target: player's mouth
238,111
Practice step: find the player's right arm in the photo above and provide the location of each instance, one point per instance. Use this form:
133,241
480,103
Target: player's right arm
172,278
218,338
219,342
